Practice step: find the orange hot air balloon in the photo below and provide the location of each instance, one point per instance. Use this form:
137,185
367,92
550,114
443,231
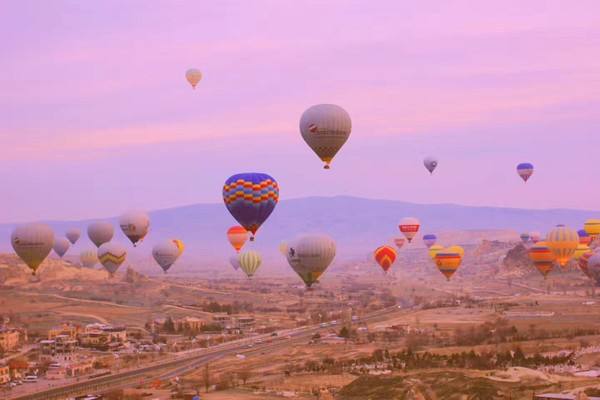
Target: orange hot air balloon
237,236
542,257
385,257
448,260
399,242
563,242
592,227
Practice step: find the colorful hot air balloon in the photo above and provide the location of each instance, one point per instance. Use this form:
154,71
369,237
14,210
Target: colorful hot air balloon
563,242
235,261
237,236
448,260
409,226
525,170
429,239
111,255
592,227
430,163
325,128
434,249
165,254
251,198
135,225
542,257
61,245
73,235
580,251
535,237
32,243
100,232
283,248
399,242
385,257
593,267
193,76
456,249
88,258
310,255
249,262
584,237
180,246
525,237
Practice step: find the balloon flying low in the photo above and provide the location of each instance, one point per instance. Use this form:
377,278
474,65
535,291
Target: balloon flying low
249,262
310,255
592,227
434,249
535,236
88,258
584,237
179,244
385,257
193,76
73,235
325,128
235,261
525,170
563,242
399,242
429,239
100,232
32,243
542,257
525,237
237,236
111,255
430,163
448,260
165,254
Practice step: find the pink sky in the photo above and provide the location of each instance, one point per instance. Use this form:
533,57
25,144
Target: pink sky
96,117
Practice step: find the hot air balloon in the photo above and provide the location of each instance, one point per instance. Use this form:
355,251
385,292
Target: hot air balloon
237,236
542,257
100,232
251,198
448,261
584,237
429,239
88,258
592,227
563,243
235,261
325,128
399,242
385,257
193,76
593,267
32,243
310,255
580,251
434,249
535,237
135,225
525,170
583,262
61,245
73,235
111,255
165,254
249,262
180,246
430,163
409,226
525,237
456,249
283,248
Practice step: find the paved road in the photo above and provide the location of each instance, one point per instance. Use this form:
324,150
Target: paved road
190,361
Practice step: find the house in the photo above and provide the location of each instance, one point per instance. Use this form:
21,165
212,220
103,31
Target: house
191,323
223,320
61,344
65,329
4,374
56,371
11,338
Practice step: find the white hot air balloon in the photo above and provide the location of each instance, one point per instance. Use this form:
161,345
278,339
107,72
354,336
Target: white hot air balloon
73,235
100,232
234,260
61,245
249,262
430,163
135,225
32,243
325,128
409,226
310,255
111,255
193,76
88,258
165,254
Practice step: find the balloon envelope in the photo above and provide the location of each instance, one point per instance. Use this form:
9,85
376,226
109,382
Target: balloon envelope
237,236
525,170
283,248
430,163
249,262
111,255
88,258
592,227
135,225
73,235
433,250
179,244
385,257
525,237
399,242
535,236
325,128
593,267
100,232
32,243
448,260
235,261
584,237
310,255
251,198
193,76
563,242
165,254
409,226
542,257
429,239
61,245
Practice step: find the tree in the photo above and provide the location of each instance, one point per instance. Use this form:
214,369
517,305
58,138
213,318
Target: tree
244,374
206,378
344,332
169,326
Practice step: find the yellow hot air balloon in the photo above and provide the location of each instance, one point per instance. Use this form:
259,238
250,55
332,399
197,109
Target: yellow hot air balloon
542,257
193,76
448,261
180,245
592,228
433,250
457,249
581,250
283,248
563,242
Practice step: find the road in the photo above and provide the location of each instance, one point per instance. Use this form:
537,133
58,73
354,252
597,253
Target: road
190,361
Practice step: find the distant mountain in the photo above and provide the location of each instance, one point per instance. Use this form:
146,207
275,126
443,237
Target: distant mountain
357,224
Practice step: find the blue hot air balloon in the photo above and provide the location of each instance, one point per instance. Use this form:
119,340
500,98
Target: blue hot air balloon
250,198
429,239
525,170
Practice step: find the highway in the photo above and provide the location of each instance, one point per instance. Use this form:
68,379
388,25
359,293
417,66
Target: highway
190,360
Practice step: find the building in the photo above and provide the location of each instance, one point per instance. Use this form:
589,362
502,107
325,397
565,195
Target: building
61,344
101,335
245,322
65,329
191,323
4,374
11,338
223,320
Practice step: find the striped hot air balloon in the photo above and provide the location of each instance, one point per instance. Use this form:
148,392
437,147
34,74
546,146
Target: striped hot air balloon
584,237
580,251
251,198
592,227
249,262
563,242
237,236
542,257
525,170
409,226
111,255
429,239
433,250
88,258
385,257
310,256
448,260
